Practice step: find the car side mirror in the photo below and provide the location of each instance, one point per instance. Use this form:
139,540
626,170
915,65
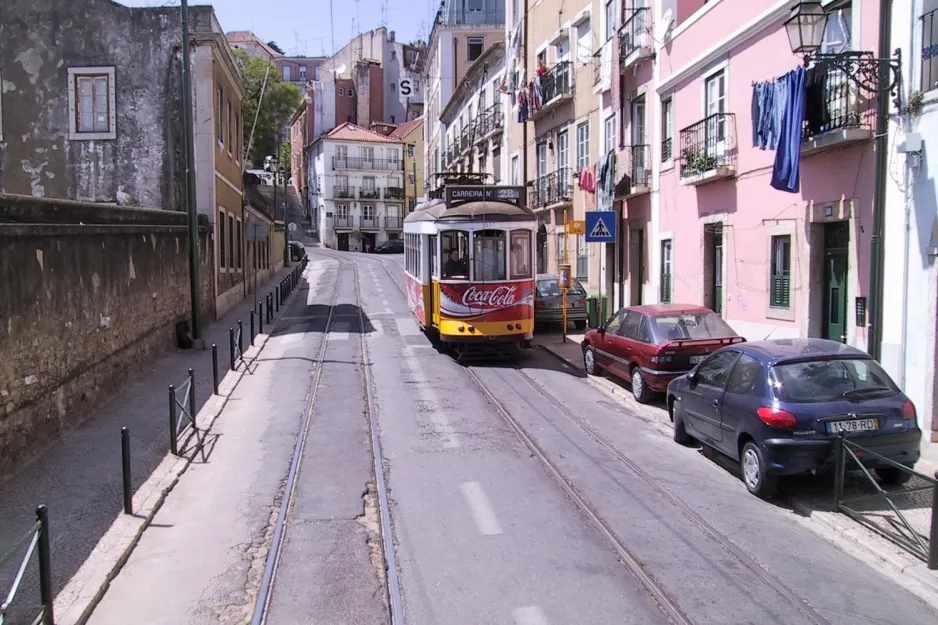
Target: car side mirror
692,376
602,330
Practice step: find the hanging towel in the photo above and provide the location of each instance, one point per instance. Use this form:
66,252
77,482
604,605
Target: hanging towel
758,139
817,114
586,181
766,117
605,68
786,172
522,107
605,181
538,91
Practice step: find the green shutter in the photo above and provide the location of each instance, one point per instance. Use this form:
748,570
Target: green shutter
665,288
781,292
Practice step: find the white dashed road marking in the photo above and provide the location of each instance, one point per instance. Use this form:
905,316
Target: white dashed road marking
482,512
530,615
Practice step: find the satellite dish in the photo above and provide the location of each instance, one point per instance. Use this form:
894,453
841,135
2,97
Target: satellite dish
340,69
663,27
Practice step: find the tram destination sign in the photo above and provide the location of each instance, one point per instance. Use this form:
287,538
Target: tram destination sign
461,194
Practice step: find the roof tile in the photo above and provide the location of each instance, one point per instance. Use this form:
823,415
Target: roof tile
348,131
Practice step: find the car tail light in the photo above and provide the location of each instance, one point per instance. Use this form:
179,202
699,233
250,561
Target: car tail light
777,418
660,358
908,411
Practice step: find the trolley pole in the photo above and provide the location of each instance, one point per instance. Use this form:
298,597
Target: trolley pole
191,209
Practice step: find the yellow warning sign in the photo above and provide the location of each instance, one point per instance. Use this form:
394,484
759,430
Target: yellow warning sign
577,226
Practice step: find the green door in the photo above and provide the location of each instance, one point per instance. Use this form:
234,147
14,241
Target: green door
718,275
836,242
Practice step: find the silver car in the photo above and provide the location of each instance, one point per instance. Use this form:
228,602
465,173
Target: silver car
548,302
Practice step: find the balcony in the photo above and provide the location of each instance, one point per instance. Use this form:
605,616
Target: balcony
368,223
393,222
836,115
638,164
635,42
489,122
458,15
342,222
557,87
366,164
394,193
708,150
368,194
464,140
343,193
552,190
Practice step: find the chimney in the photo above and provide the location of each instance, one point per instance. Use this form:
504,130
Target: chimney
391,36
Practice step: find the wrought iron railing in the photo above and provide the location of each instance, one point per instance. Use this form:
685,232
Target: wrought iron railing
708,145
840,105
639,165
369,194
464,139
394,193
361,163
551,189
634,30
182,399
369,222
457,14
490,120
666,149
343,193
557,81
342,221
393,222
929,51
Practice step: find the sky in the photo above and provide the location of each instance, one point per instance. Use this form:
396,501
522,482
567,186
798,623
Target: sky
304,28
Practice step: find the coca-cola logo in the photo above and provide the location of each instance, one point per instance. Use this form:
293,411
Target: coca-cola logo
498,297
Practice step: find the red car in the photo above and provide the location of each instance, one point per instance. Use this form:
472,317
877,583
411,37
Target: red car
653,344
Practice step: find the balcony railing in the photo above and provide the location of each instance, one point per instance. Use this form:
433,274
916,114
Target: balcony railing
639,168
343,193
557,81
489,121
368,222
708,149
929,51
633,36
666,149
838,106
393,222
342,221
369,194
394,193
457,15
358,162
551,189
464,139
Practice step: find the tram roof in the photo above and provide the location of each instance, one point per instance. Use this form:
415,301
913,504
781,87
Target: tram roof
436,210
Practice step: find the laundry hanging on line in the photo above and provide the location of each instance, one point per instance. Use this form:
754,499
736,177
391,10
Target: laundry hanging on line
786,172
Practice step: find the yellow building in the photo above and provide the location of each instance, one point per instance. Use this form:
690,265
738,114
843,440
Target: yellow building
411,135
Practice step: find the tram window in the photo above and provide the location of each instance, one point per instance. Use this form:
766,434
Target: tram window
520,255
434,266
489,255
455,254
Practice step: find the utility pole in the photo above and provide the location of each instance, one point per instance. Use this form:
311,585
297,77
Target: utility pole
191,209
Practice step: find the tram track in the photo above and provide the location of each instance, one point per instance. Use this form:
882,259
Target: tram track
268,580
630,560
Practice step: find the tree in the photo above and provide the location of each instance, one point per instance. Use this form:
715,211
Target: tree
277,108
275,47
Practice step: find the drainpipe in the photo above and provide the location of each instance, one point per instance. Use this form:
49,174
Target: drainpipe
524,126
875,327
905,281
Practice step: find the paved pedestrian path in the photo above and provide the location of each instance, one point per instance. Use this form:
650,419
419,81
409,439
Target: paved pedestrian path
79,476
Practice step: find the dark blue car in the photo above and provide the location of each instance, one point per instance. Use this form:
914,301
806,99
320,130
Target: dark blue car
776,406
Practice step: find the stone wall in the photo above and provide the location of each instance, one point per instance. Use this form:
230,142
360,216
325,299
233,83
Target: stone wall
89,292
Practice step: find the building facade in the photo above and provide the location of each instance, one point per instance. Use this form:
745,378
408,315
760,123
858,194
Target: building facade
357,182
411,136
461,34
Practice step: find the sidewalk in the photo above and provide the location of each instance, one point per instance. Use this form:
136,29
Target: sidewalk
79,476
810,498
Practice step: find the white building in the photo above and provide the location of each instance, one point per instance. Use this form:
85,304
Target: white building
359,178
910,290
474,119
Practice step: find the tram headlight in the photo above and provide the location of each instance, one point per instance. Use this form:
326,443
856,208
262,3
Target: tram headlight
472,328
462,328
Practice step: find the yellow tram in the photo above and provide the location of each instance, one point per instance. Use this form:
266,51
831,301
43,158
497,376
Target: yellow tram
469,265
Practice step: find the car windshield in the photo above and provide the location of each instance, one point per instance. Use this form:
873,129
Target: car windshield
690,327
550,287
819,381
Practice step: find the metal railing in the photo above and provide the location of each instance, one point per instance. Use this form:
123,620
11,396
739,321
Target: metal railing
898,530
342,221
393,222
634,29
457,14
929,51
708,144
37,539
182,413
557,81
639,165
666,149
343,193
368,222
358,162
490,120
464,139
394,193
369,194
841,103
551,189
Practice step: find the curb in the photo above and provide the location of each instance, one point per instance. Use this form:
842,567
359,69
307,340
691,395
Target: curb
909,572
77,600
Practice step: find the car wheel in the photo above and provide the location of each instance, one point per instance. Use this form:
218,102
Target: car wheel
589,360
681,436
579,324
757,481
639,388
891,476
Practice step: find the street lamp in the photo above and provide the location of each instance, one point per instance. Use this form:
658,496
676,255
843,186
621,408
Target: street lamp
878,77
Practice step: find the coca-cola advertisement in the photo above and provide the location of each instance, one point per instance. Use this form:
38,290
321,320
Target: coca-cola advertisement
496,301
415,299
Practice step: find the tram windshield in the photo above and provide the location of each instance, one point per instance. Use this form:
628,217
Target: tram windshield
455,255
489,258
520,255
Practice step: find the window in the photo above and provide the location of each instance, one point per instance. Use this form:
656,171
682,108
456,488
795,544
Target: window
515,170
489,255
341,90
410,151
667,129
715,370
666,269
231,241
434,258
368,154
836,37
239,134
780,296
286,73
638,121
930,46
515,11
745,374
610,19
351,92
394,157
222,259
821,381
92,103
629,327
582,258
302,72
615,323
474,5
610,133
715,104
240,239
690,327
219,116
584,43
476,45
520,255
455,255
228,125
368,183
368,212
563,149
583,146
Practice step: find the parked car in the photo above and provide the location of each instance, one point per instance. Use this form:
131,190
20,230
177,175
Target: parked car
776,407
651,345
297,251
548,301
391,246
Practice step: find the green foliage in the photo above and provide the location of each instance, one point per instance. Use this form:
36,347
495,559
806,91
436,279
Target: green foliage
280,102
285,159
273,45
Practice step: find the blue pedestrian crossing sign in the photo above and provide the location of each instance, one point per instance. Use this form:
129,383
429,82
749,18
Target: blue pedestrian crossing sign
600,226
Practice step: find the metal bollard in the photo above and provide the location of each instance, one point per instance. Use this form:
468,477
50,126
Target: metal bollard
172,420
192,397
252,326
933,540
278,298
260,317
240,338
215,368
270,308
125,471
46,595
231,347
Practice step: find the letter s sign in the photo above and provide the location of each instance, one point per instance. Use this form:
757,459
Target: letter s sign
405,87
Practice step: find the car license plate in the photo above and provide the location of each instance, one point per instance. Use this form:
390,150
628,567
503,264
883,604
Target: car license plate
853,425
695,359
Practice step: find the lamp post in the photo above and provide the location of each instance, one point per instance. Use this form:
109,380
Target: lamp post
877,76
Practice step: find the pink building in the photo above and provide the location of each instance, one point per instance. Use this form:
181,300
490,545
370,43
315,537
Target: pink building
774,263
